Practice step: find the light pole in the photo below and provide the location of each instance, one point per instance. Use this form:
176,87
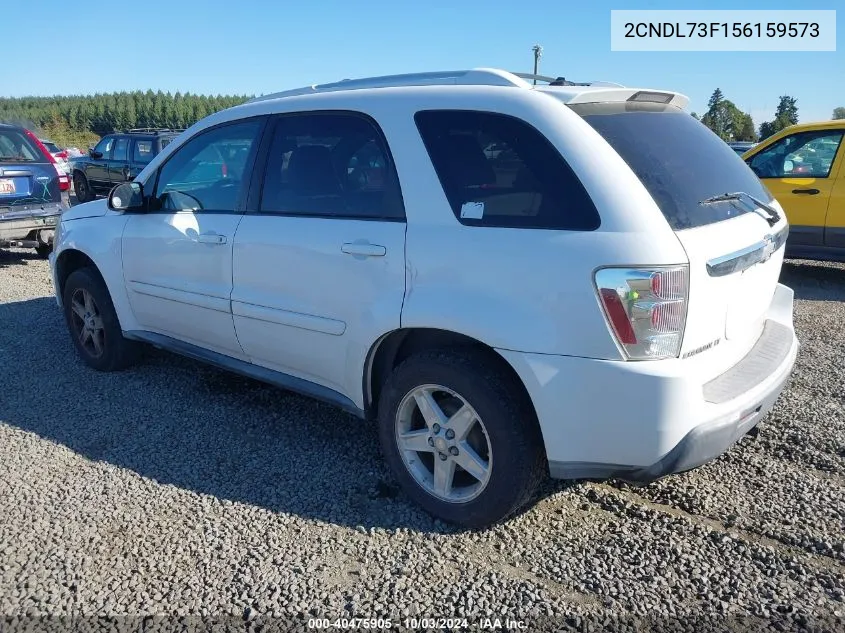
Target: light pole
538,53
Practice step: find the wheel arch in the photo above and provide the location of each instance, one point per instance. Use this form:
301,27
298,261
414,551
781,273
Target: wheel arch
70,260
394,347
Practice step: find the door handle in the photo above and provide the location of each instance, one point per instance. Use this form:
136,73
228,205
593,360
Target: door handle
211,238
811,192
364,249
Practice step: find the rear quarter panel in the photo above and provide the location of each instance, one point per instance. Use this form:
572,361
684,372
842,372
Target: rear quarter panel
520,289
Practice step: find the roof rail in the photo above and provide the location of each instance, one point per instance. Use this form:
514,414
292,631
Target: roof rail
151,130
475,76
562,81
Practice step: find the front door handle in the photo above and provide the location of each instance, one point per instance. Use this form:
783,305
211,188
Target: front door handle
364,249
211,238
811,192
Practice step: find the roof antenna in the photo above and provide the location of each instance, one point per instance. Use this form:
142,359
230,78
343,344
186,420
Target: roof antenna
538,53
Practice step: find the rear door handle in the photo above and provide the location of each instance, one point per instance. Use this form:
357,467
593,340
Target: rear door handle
211,238
811,192
364,249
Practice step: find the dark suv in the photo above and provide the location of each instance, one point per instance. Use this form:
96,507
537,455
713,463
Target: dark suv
117,158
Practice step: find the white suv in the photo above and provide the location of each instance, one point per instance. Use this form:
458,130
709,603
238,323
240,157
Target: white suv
514,280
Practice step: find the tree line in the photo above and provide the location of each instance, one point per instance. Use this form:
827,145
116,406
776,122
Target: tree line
82,119
732,124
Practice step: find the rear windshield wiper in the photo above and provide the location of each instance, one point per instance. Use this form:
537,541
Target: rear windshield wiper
759,207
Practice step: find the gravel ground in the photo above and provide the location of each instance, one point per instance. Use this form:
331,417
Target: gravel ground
174,489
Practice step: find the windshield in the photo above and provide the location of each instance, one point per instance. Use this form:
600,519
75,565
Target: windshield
678,160
51,147
15,147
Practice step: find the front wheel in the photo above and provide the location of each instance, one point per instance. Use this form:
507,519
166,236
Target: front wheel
460,437
93,324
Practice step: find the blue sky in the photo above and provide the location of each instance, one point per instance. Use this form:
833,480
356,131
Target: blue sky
255,46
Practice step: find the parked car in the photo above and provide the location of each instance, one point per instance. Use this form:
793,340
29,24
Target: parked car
31,191
802,167
116,158
58,153
740,147
574,304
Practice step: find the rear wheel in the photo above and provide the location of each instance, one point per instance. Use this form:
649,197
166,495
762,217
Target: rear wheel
81,188
93,323
460,437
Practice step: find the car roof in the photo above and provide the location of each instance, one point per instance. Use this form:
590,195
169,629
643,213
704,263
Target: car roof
833,124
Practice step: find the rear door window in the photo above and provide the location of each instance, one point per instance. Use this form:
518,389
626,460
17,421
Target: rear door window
499,171
121,149
679,161
333,165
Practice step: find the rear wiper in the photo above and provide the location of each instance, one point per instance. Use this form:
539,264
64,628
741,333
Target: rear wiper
759,207
722,198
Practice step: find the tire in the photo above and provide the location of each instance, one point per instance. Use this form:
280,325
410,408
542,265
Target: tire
82,188
44,250
514,452
113,352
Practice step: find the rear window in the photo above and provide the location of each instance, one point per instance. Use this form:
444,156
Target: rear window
499,171
679,160
16,147
51,147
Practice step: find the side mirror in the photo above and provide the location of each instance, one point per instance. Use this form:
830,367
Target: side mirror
94,154
127,196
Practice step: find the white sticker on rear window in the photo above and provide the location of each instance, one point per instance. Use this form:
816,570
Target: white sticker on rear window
472,210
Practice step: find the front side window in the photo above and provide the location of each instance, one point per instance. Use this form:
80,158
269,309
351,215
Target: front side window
121,149
104,147
802,155
209,172
330,165
497,170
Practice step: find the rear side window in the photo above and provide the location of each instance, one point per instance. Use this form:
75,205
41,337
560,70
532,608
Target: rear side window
679,161
499,171
143,152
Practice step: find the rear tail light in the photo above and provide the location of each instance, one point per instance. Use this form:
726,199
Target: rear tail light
64,181
646,309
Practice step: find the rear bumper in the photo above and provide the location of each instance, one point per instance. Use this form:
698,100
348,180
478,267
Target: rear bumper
19,226
640,421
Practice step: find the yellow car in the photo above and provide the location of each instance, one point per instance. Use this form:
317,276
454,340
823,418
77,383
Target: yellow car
802,166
